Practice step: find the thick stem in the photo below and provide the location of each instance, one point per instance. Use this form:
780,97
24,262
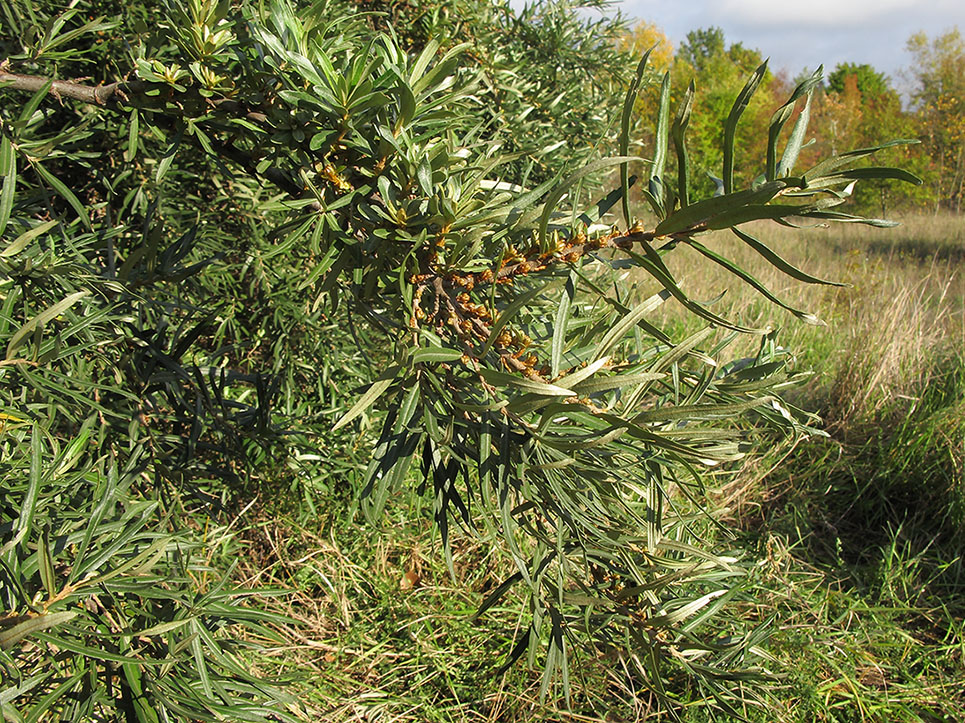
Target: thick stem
95,94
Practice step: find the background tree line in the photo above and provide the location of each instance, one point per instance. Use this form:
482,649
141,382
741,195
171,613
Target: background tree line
855,106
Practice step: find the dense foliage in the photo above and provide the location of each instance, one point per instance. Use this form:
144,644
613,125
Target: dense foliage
263,206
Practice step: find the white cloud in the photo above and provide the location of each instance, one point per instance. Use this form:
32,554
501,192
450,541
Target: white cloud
814,14
798,34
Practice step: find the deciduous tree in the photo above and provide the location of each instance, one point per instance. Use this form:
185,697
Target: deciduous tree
939,97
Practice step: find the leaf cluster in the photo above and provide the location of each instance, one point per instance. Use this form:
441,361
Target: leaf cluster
109,603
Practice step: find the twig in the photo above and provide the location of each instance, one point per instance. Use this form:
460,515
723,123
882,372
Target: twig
103,95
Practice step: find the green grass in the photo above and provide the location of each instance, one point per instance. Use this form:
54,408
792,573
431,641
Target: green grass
861,533
383,632
858,536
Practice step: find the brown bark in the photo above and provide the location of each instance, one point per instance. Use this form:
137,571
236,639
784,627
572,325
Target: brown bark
105,95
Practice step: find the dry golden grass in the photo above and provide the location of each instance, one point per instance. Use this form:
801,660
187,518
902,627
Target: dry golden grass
899,316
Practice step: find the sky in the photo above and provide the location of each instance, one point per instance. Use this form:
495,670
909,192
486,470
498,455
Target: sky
799,34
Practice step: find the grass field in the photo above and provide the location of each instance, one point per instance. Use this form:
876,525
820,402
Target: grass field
858,536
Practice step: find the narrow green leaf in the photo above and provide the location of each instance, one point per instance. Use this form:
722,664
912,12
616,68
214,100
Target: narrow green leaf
7,194
435,355
13,635
628,321
582,442
75,449
137,565
132,136
497,594
168,158
116,544
56,38
46,704
7,155
669,360
440,73
31,106
492,406
21,242
422,62
45,564
781,117
575,377
522,209
531,402
393,456
730,125
200,664
657,186
8,170
28,506
604,297
424,177
41,319
678,131
870,172
24,686
840,217
684,348
828,165
407,108
64,192
142,708
162,628
796,141
560,323
625,120
105,494
71,644
757,212
532,386
699,412
383,382
616,381
779,263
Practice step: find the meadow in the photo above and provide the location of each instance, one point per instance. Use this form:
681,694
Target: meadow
860,584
